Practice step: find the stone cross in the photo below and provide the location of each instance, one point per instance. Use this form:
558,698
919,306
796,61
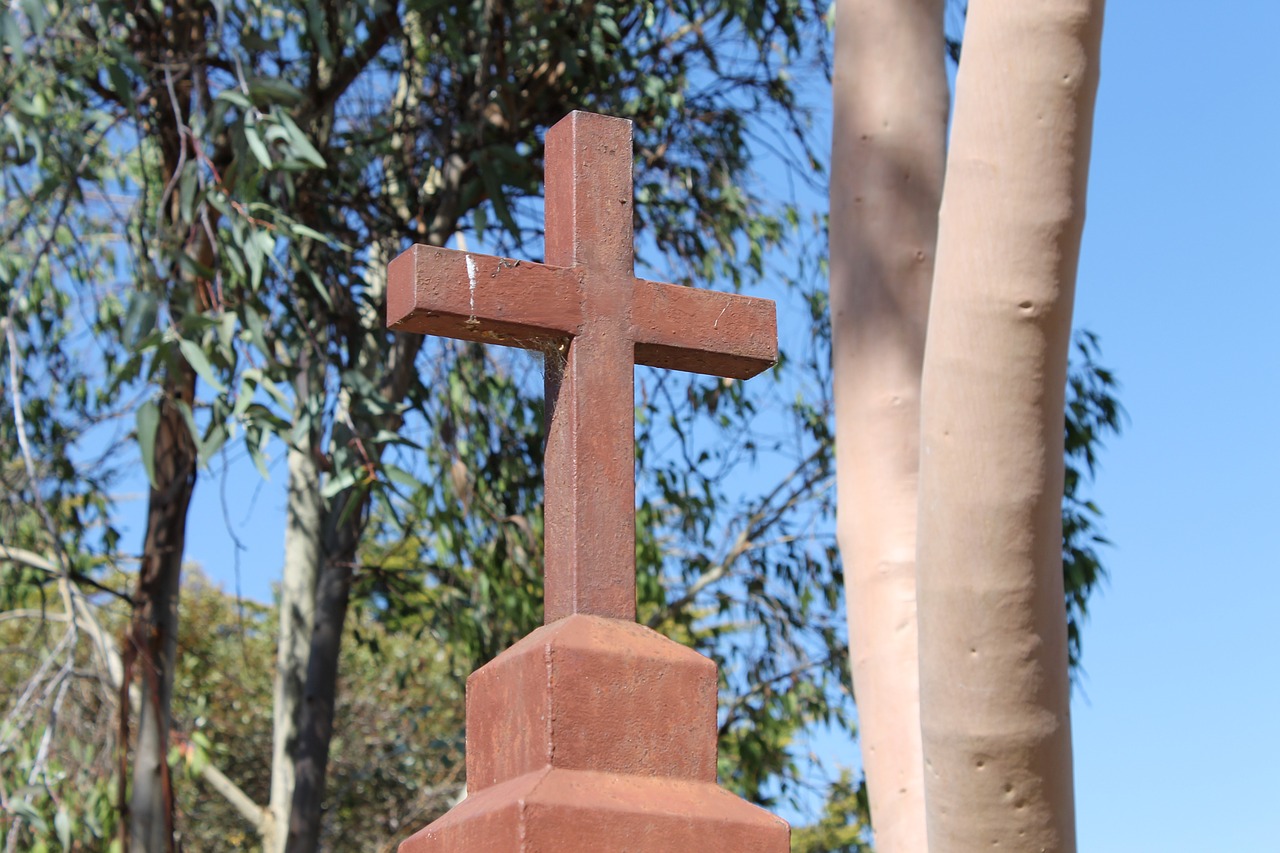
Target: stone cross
594,320
591,734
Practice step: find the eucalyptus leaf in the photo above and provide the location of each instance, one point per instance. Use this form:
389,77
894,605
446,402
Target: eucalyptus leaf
200,364
63,826
235,96
120,84
258,457
140,319
497,196
148,419
273,90
252,251
275,392
227,329
189,419
256,145
301,146
257,335
336,483
212,442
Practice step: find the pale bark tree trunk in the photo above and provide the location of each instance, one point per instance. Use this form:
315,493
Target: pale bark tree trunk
333,534
303,574
338,539
315,729
888,149
993,634
304,521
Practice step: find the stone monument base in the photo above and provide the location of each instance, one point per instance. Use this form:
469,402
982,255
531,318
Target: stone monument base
582,811
595,735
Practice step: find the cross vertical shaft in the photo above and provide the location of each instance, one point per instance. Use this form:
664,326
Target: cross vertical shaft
590,455
586,308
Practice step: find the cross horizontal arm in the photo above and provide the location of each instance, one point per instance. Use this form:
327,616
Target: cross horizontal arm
703,331
526,304
506,301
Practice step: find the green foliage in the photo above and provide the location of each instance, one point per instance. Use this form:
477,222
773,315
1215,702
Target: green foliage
461,561
1093,415
246,192
232,209
396,763
843,827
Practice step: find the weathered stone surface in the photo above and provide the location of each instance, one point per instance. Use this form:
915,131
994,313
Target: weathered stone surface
592,733
592,693
582,811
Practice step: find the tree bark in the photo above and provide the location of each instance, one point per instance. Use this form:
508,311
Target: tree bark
153,631
339,538
888,149
174,44
315,731
302,554
993,638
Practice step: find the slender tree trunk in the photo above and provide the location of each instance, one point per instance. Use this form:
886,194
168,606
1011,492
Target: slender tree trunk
993,637
315,731
339,537
174,44
302,554
172,36
888,148
153,631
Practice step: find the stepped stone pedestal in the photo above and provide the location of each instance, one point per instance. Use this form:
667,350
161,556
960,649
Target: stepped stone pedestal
592,735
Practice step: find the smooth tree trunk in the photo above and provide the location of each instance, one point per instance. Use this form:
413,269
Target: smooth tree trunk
319,705
888,147
888,151
304,521
993,633
338,538
172,38
151,642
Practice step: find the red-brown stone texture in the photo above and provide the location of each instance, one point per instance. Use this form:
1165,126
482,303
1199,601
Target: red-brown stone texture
596,321
582,811
592,693
595,734
592,733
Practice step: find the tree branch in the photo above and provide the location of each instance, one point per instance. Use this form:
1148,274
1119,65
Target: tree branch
235,795
349,67
32,560
110,658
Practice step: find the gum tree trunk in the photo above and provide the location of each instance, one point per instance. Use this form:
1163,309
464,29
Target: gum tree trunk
993,636
174,44
333,545
304,520
889,141
315,728
153,631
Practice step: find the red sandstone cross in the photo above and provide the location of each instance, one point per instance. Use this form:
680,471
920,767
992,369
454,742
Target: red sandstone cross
586,302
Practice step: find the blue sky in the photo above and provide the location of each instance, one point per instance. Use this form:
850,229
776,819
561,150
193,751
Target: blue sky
1176,738
1175,732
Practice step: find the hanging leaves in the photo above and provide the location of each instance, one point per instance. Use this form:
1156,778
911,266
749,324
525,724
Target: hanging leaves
148,419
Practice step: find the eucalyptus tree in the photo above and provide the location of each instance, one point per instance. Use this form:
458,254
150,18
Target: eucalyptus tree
889,142
220,187
963,530
201,199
